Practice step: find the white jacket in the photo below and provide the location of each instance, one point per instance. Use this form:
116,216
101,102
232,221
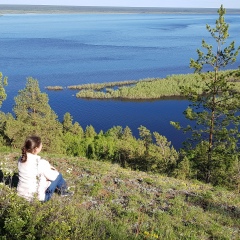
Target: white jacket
35,176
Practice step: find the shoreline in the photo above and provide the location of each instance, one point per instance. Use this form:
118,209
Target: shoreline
50,9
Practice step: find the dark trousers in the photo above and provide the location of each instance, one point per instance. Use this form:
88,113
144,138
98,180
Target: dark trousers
59,183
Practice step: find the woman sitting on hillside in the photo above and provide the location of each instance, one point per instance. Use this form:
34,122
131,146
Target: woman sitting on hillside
36,176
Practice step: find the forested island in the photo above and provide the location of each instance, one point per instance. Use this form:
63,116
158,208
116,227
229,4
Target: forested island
145,89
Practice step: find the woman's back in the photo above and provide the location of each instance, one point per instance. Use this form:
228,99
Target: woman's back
28,172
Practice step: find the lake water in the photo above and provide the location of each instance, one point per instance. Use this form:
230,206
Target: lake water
71,49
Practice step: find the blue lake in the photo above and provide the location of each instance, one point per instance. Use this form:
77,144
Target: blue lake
71,49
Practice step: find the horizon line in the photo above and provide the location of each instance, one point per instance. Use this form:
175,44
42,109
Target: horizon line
70,9
54,5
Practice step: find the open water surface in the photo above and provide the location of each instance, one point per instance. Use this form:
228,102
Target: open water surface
71,49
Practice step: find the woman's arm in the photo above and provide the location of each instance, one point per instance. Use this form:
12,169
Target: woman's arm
48,171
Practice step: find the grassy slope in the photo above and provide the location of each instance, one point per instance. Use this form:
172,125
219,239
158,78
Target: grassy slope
115,203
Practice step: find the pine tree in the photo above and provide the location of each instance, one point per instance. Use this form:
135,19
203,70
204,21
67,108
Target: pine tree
90,132
77,130
3,83
216,110
146,136
33,115
127,133
67,122
68,126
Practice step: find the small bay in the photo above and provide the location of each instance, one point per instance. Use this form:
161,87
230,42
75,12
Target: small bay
72,49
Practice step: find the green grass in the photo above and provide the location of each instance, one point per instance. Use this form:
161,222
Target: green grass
115,203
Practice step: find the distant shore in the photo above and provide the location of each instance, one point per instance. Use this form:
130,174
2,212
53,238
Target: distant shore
50,9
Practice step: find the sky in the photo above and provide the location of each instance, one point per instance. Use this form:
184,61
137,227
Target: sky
133,3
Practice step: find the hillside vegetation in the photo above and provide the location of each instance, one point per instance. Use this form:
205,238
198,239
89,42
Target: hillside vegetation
111,202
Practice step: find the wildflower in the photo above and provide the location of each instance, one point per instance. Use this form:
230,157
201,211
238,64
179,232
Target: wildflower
7,172
69,170
150,235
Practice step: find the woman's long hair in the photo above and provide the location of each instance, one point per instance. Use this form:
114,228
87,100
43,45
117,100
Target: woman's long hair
30,144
